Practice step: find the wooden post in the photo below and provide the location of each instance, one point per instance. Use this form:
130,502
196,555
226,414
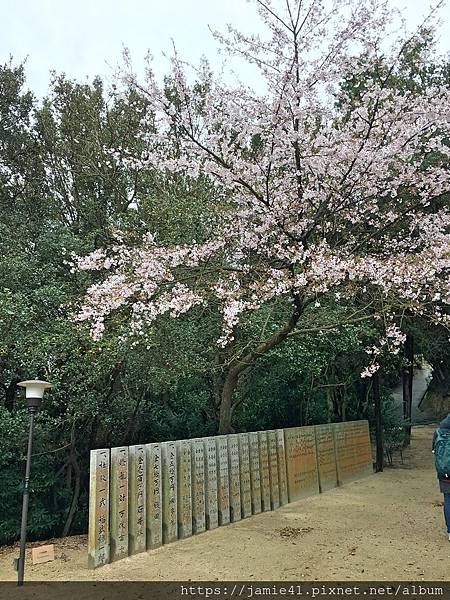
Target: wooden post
119,503
137,501
98,538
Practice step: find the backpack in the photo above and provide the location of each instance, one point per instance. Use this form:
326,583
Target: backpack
442,453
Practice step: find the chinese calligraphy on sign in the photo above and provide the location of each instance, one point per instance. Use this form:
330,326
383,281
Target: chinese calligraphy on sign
98,538
145,495
154,496
119,502
137,499
169,514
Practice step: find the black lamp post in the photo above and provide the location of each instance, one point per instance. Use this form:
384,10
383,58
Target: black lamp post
34,392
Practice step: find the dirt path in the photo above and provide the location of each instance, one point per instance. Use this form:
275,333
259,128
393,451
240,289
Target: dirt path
387,526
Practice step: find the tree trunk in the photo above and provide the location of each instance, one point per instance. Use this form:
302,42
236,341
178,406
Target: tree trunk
10,394
227,402
242,364
307,405
407,380
363,395
129,430
343,401
378,422
330,406
76,492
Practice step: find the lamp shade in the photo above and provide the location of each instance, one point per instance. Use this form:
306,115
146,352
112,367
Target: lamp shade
34,388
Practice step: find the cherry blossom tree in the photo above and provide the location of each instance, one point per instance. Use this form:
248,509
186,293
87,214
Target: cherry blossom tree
318,193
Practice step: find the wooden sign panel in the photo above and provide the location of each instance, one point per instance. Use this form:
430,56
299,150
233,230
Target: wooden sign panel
301,462
223,482
211,507
235,479
326,457
169,492
353,450
264,471
137,503
282,475
119,503
43,554
363,448
98,537
184,489
345,456
273,469
244,466
154,496
198,486
255,473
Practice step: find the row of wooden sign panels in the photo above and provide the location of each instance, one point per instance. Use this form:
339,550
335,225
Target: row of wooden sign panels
146,495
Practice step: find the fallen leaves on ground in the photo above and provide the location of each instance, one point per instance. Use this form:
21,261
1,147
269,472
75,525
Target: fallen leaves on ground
293,532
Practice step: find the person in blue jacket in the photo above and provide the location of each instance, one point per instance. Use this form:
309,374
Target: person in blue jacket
444,482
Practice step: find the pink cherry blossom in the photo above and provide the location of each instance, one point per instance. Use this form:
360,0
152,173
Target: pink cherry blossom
321,197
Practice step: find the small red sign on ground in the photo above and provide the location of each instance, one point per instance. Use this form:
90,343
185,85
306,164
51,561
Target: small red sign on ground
43,554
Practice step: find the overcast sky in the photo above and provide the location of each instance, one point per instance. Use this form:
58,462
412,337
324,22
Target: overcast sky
84,38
